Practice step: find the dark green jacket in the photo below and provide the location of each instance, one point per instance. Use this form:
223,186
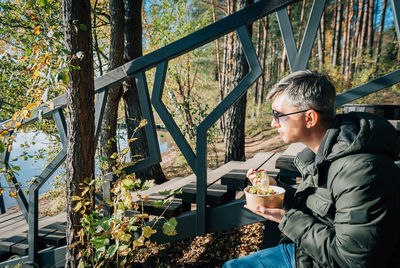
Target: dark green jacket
346,211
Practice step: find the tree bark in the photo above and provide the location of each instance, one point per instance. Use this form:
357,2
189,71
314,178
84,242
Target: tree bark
133,113
337,34
381,29
284,53
229,40
258,49
80,114
107,142
265,72
258,82
303,9
361,41
321,43
370,31
236,115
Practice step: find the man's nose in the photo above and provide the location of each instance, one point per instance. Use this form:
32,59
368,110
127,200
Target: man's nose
274,124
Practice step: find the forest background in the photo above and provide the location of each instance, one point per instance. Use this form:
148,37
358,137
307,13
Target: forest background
355,43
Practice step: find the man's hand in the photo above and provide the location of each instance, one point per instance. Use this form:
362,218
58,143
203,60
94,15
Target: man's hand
272,214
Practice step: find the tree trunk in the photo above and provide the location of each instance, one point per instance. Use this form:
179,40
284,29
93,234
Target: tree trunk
333,32
370,31
381,29
80,114
218,57
96,42
236,115
265,72
133,114
361,41
337,34
258,82
229,40
349,42
303,9
108,144
354,25
321,43
345,39
284,53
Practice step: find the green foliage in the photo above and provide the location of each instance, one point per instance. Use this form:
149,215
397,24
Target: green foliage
115,240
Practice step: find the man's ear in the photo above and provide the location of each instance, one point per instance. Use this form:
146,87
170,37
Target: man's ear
312,118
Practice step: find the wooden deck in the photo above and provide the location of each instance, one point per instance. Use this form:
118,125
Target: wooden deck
224,184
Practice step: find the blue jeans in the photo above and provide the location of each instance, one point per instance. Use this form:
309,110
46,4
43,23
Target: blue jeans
281,256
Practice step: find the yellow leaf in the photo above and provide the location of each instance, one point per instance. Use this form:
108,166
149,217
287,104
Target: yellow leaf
17,124
82,235
144,216
147,231
75,198
9,124
9,148
36,31
36,74
1,191
124,250
3,132
78,206
30,106
24,58
26,113
139,242
14,117
13,194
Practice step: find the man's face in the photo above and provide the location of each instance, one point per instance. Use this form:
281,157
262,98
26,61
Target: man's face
291,127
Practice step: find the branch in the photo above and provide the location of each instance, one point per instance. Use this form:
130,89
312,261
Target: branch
105,15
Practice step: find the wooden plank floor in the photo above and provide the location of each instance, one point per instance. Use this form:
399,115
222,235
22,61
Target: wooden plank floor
14,232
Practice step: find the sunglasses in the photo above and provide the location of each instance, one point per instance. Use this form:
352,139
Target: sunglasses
278,117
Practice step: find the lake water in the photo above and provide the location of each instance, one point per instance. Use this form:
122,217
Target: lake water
39,141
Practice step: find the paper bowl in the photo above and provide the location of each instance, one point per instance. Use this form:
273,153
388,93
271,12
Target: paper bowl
269,201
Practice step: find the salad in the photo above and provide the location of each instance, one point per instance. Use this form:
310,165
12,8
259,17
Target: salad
260,182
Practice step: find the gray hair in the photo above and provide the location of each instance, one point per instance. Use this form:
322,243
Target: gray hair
307,90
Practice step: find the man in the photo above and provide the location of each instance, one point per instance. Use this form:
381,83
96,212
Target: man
345,213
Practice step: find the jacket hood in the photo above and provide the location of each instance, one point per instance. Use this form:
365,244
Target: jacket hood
360,133
354,133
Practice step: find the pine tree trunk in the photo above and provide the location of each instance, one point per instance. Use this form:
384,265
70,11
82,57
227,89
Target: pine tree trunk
349,43
337,34
258,82
133,113
354,25
381,28
333,32
236,115
258,49
107,142
370,31
227,67
218,59
284,60
303,9
361,41
80,114
265,72
321,43
345,38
